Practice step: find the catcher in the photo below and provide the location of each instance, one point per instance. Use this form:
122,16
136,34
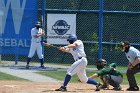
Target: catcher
108,74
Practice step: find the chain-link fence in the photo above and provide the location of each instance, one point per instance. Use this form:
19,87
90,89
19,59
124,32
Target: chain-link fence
120,22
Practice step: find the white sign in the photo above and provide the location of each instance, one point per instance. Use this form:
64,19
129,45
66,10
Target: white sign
59,27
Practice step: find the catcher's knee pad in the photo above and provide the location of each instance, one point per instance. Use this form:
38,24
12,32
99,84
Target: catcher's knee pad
106,77
101,77
113,83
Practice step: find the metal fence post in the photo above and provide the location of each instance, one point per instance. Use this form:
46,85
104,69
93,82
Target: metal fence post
1,26
17,53
100,28
43,20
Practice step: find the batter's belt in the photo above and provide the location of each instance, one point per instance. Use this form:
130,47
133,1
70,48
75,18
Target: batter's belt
79,58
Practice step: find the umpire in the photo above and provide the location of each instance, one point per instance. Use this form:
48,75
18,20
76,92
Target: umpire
133,56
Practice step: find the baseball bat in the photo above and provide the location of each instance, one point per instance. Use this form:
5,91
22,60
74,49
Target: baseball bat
50,45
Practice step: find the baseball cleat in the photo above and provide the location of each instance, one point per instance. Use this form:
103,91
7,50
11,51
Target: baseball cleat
98,87
62,88
117,88
133,89
105,87
42,66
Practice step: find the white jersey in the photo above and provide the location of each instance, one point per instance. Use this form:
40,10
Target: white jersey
132,54
79,66
34,32
36,43
78,52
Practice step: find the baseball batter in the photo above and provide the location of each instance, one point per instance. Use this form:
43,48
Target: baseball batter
76,48
36,34
133,56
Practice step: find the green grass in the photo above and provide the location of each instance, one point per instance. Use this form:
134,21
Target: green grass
89,66
60,75
4,76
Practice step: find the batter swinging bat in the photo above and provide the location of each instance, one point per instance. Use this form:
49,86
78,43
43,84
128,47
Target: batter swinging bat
50,45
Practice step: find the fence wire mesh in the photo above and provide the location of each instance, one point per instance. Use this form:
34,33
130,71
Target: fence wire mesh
120,22
117,26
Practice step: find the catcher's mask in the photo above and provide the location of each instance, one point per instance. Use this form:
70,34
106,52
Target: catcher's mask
72,39
124,45
101,63
38,25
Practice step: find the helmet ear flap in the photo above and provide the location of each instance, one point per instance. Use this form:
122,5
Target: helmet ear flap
99,66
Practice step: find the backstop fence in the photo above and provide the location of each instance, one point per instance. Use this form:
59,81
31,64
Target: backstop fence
100,24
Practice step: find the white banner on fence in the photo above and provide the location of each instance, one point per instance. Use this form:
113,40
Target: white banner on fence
59,26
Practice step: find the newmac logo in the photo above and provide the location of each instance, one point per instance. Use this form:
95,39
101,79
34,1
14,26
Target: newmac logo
60,27
17,8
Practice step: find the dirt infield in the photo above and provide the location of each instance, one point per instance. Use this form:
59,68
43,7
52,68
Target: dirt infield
32,87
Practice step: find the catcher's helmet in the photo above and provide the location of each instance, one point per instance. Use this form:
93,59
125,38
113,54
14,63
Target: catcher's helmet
101,63
72,38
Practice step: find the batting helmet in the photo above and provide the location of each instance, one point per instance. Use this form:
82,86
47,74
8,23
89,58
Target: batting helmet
101,63
72,38
38,25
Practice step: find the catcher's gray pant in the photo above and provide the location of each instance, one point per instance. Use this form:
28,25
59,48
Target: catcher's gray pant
117,79
130,75
114,81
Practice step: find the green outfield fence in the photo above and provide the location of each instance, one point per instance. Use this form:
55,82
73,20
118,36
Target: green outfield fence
101,24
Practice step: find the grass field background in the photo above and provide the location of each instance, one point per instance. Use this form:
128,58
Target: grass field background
60,75
4,76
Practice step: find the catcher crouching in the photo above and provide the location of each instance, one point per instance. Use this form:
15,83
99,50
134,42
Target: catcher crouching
108,74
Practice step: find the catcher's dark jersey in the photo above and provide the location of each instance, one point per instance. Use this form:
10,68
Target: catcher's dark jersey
110,69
